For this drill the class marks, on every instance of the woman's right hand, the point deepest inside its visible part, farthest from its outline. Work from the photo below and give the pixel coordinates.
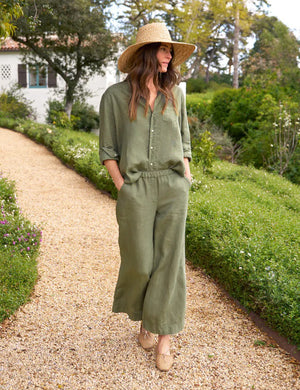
(120, 184)
(115, 173)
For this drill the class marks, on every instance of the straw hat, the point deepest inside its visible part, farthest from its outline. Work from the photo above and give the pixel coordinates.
(150, 33)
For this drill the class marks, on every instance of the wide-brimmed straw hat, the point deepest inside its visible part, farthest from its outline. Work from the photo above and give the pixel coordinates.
(150, 33)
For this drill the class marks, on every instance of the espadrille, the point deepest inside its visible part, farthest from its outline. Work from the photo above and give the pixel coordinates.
(146, 339)
(164, 362)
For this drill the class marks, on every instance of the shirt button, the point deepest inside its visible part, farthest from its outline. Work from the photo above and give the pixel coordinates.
(151, 147)
(152, 131)
(151, 163)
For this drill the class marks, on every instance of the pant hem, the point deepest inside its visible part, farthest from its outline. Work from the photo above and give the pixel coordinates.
(133, 316)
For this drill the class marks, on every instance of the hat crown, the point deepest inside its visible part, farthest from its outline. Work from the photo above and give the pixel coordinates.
(153, 32)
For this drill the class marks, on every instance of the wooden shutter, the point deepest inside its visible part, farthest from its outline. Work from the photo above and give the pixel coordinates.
(51, 78)
(22, 77)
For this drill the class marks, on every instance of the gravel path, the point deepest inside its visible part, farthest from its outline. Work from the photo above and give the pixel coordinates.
(66, 337)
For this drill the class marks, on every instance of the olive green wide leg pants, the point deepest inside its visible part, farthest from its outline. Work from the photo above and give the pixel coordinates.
(151, 286)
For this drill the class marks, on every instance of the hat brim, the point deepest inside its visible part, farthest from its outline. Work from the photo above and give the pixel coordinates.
(182, 51)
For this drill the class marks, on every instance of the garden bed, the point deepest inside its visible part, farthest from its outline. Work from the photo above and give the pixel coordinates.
(19, 244)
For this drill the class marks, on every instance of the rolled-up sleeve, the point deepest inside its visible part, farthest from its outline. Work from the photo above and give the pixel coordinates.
(185, 133)
(108, 145)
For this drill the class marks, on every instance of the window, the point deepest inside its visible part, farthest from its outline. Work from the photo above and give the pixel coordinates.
(37, 76)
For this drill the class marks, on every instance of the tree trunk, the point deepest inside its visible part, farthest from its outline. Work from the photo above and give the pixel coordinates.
(236, 39)
(209, 61)
(68, 108)
(69, 98)
(193, 70)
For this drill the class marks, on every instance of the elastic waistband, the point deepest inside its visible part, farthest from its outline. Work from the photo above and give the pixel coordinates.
(162, 172)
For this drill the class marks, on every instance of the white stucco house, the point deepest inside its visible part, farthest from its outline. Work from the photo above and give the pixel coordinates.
(39, 84)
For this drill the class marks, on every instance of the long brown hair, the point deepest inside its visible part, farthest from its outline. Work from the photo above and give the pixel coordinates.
(144, 66)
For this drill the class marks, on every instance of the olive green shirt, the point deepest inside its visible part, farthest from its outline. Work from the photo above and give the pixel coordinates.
(153, 142)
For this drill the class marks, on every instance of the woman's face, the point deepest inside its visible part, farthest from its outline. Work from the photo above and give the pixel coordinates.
(164, 56)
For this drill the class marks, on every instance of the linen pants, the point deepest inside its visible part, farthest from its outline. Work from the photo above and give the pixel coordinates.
(151, 286)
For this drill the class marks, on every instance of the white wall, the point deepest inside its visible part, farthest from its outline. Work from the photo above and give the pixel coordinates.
(39, 96)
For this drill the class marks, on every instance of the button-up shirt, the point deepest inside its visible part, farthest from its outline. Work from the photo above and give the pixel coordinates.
(153, 142)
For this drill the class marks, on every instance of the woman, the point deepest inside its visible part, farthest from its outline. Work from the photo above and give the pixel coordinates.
(145, 145)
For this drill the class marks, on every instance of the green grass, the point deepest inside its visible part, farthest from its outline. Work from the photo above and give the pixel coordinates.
(243, 226)
(19, 243)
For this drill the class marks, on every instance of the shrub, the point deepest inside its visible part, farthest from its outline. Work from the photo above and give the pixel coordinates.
(196, 85)
(7, 121)
(14, 105)
(19, 243)
(203, 148)
(83, 116)
(216, 82)
(198, 111)
(236, 111)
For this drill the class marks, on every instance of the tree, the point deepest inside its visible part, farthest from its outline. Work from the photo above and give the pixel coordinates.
(9, 9)
(70, 36)
(137, 13)
(274, 57)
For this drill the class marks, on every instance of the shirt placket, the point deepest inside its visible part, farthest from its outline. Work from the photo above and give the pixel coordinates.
(152, 152)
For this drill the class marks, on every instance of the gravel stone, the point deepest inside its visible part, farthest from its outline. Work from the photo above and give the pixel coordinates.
(66, 337)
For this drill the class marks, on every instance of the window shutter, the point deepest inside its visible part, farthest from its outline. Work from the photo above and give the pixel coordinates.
(51, 78)
(22, 79)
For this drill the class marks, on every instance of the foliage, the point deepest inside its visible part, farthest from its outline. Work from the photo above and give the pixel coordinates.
(19, 243)
(286, 136)
(9, 9)
(273, 59)
(203, 151)
(242, 226)
(236, 111)
(198, 107)
(199, 85)
(74, 30)
(83, 116)
(258, 128)
(14, 104)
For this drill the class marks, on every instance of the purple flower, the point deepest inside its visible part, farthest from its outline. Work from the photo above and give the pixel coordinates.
(28, 248)
(14, 242)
